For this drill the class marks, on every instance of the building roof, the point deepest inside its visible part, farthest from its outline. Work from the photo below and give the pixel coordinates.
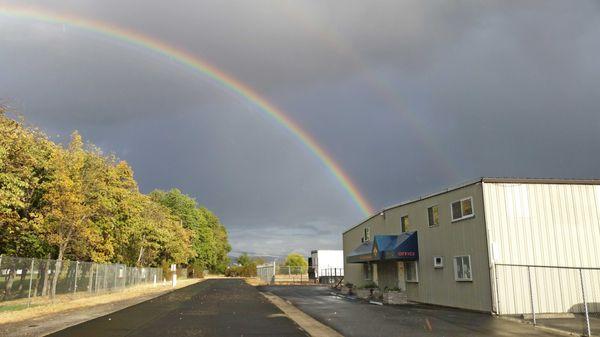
(496, 180)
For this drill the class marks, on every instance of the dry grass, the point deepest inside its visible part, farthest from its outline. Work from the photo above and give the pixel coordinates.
(43, 308)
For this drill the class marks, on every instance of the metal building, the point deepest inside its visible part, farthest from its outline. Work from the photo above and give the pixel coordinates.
(502, 245)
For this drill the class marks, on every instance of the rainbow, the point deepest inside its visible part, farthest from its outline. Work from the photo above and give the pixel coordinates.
(203, 67)
(383, 88)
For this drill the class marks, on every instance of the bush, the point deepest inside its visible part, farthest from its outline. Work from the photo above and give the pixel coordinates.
(241, 271)
(370, 285)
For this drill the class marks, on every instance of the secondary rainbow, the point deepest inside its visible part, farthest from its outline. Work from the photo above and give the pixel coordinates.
(196, 63)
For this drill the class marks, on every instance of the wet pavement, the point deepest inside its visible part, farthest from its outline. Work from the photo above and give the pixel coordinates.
(355, 318)
(576, 325)
(217, 307)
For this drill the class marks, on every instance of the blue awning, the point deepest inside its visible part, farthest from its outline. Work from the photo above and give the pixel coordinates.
(386, 247)
(405, 247)
(362, 253)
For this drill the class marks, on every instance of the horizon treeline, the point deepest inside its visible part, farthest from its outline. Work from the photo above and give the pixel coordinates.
(74, 202)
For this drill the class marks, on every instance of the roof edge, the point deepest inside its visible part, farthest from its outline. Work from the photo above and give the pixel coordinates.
(491, 180)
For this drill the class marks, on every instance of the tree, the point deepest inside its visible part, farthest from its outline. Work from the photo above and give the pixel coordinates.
(209, 237)
(244, 260)
(68, 216)
(76, 202)
(297, 263)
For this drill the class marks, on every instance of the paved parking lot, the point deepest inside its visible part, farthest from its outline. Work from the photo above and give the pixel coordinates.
(357, 318)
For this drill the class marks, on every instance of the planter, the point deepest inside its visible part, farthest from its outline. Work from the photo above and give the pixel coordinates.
(395, 297)
(362, 293)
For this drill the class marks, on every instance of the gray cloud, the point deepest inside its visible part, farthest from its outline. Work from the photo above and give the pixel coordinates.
(409, 97)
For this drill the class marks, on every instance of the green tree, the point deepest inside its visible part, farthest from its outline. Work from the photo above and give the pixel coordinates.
(209, 237)
(244, 260)
(297, 263)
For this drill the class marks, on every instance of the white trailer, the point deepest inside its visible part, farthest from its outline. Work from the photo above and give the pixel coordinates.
(328, 262)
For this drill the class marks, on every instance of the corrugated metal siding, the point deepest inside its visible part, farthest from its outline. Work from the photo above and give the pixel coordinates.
(544, 224)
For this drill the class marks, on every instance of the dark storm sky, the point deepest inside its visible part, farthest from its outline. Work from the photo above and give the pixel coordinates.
(408, 96)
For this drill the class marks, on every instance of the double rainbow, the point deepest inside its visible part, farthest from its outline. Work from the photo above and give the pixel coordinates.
(197, 64)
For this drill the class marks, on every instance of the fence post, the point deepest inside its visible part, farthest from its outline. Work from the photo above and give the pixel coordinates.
(97, 272)
(531, 295)
(30, 281)
(76, 271)
(116, 271)
(585, 307)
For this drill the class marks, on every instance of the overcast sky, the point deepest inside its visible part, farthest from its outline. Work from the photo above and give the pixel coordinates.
(409, 97)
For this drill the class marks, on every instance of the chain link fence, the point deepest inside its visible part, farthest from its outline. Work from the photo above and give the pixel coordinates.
(27, 280)
(567, 298)
(274, 274)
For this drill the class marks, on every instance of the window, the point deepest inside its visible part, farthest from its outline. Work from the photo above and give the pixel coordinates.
(462, 268)
(462, 209)
(367, 236)
(411, 270)
(368, 271)
(438, 262)
(434, 216)
(405, 223)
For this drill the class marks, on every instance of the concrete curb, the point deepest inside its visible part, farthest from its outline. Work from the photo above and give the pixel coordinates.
(309, 324)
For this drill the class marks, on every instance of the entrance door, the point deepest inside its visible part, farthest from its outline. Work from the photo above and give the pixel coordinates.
(401, 277)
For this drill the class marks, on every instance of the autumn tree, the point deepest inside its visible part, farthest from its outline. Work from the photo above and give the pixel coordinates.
(76, 202)
(24, 154)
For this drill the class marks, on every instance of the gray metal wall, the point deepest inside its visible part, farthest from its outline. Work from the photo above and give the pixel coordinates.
(544, 224)
(449, 239)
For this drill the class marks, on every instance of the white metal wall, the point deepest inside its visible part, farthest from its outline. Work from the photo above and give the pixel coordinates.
(544, 224)
(328, 259)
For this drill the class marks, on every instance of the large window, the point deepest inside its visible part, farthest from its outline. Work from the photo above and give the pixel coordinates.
(367, 236)
(462, 268)
(411, 270)
(433, 214)
(405, 224)
(462, 209)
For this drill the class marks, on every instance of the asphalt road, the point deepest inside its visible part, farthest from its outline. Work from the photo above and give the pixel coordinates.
(217, 307)
(360, 319)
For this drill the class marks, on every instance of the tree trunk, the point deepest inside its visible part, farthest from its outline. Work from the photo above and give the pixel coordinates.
(9, 281)
(41, 271)
(46, 275)
(22, 278)
(58, 265)
(139, 259)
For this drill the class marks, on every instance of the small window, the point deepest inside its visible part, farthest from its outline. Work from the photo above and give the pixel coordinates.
(411, 270)
(367, 236)
(462, 209)
(368, 271)
(462, 268)
(434, 216)
(438, 262)
(405, 223)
